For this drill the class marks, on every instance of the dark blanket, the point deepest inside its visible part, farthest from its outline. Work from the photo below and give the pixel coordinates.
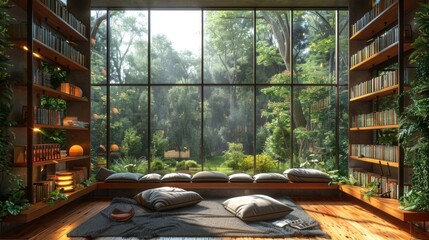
(206, 219)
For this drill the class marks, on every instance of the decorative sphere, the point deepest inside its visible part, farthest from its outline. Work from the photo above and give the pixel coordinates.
(114, 148)
(76, 151)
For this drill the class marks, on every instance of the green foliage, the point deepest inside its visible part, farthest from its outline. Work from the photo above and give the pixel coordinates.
(414, 123)
(14, 199)
(373, 190)
(337, 178)
(131, 144)
(186, 165)
(130, 164)
(157, 165)
(234, 155)
(55, 195)
(58, 76)
(264, 163)
(159, 144)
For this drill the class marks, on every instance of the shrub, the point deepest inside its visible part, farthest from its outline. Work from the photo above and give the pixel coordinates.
(157, 165)
(234, 155)
(264, 163)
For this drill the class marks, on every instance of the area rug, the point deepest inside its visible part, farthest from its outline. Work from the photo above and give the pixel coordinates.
(205, 219)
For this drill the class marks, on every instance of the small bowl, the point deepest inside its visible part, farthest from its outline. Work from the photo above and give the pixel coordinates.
(121, 216)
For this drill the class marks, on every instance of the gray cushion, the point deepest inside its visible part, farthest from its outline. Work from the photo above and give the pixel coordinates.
(165, 198)
(103, 173)
(269, 178)
(210, 176)
(123, 177)
(151, 177)
(176, 177)
(307, 175)
(240, 177)
(256, 208)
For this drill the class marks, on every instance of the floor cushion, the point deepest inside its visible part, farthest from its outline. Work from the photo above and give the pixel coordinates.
(151, 178)
(307, 175)
(103, 173)
(176, 177)
(240, 177)
(124, 177)
(165, 198)
(256, 207)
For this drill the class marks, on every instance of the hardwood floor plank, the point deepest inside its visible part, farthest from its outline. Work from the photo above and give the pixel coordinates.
(345, 219)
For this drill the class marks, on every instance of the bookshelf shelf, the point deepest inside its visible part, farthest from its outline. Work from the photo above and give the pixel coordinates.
(381, 93)
(380, 57)
(50, 18)
(41, 163)
(374, 128)
(57, 57)
(55, 93)
(389, 206)
(41, 208)
(376, 161)
(46, 126)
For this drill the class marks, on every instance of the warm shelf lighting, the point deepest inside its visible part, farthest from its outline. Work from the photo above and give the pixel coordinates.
(25, 48)
(37, 130)
(64, 180)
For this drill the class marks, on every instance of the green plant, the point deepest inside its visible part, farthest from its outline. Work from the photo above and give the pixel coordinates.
(234, 155)
(337, 178)
(55, 195)
(157, 165)
(264, 163)
(130, 164)
(414, 123)
(372, 190)
(58, 76)
(13, 198)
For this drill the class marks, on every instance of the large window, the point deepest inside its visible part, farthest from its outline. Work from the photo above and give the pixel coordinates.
(238, 90)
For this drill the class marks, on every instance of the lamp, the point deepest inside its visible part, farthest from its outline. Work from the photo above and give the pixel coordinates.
(64, 180)
(76, 151)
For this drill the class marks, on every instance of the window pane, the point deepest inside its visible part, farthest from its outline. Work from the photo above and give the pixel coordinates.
(228, 129)
(98, 47)
(343, 46)
(176, 46)
(314, 46)
(128, 129)
(176, 131)
(273, 46)
(344, 130)
(228, 47)
(273, 129)
(128, 47)
(98, 127)
(314, 132)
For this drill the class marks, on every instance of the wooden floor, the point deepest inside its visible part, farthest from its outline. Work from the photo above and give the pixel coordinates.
(340, 219)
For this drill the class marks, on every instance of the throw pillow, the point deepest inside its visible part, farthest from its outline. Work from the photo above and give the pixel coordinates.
(256, 208)
(151, 178)
(240, 177)
(176, 177)
(270, 178)
(103, 173)
(210, 176)
(307, 175)
(123, 177)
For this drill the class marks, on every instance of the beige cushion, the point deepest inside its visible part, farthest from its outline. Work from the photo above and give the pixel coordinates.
(240, 177)
(165, 198)
(210, 176)
(123, 177)
(269, 178)
(176, 177)
(256, 208)
(151, 178)
(307, 175)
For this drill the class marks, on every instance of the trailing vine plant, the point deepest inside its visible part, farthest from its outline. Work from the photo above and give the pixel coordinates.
(414, 133)
(14, 199)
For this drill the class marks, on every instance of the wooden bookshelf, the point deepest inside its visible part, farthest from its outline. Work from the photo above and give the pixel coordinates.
(387, 205)
(375, 161)
(380, 93)
(51, 19)
(41, 208)
(41, 163)
(384, 19)
(374, 128)
(380, 57)
(55, 93)
(45, 51)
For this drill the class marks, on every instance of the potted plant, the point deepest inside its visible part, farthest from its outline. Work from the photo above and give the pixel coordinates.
(414, 134)
(13, 199)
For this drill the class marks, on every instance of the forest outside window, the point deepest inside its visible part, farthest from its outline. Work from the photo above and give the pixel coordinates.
(241, 90)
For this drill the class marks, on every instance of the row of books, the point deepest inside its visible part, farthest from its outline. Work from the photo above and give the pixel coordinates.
(381, 152)
(387, 79)
(48, 116)
(60, 9)
(42, 78)
(385, 184)
(382, 118)
(377, 45)
(371, 15)
(41, 190)
(41, 152)
(56, 42)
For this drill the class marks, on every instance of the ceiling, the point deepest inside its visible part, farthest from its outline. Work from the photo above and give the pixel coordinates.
(218, 3)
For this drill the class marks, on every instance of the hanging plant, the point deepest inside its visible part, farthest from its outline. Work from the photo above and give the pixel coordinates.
(14, 199)
(414, 122)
